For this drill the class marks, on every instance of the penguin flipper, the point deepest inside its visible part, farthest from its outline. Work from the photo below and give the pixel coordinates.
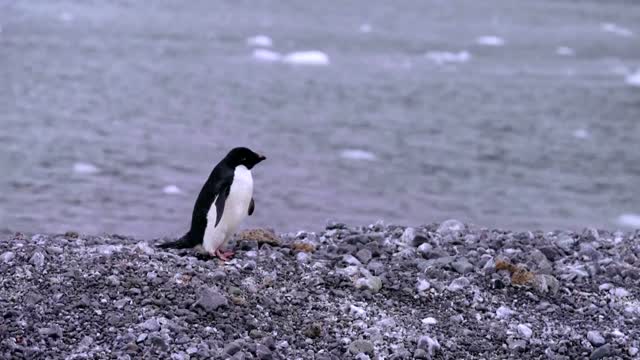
(186, 241)
(252, 207)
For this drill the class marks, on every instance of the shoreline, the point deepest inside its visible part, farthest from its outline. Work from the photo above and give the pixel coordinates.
(376, 292)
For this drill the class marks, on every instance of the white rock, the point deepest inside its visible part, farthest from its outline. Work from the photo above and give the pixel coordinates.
(302, 257)
(524, 331)
(620, 292)
(449, 226)
(633, 79)
(145, 248)
(423, 285)
(37, 259)
(633, 351)
(444, 57)
(458, 284)
(490, 40)
(171, 190)
(605, 286)
(504, 312)
(351, 260)
(357, 312)
(85, 168)
(8, 256)
(429, 321)
(595, 338)
(260, 40)
(408, 235)
(312, 57)
(616, 29)
(266, 55)
(565, 51)
(357, 154)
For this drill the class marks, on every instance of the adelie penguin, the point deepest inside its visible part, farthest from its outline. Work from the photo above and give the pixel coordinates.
(224, 201)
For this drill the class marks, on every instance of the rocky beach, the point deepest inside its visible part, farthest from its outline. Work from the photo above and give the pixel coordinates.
(441, 291)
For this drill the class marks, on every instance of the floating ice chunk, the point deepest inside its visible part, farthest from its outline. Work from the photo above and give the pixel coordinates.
(615, 29)
(633, 79)
(443, 57)
(356, 154)
(66, 16)
(171, 190)
(629, 220)
(565, 51)
(266, 55)
(581, 134)
(85, 168)
(365, 28)
(490, 40)
(312, 57)
(260, 40)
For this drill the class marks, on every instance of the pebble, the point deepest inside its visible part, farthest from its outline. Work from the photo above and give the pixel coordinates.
(37, 259)
(151, 325)
(620, 292)
(54, 331)
(504, 312)
(429, 321)
(364, 255)
(423, 285)
(462, 266)
(232, 348)
(595, 338)
(633, 351)
(263, 352)
(429, 344)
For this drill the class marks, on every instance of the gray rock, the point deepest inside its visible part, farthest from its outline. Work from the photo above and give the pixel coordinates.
(361, 346)
(524, 331)
(540, 262)
(420, 354)
(595, 338)
(179, 356)
(458, 284)
(633, 351)
(232, 348)
(7, 256)
(151, 325)
(141, 338)
(543, 284)
(504, 312)
(249, 265)
(376, 267)
(450, 226)
(462, 266)
(263, 352)
(601, 352)
(210, 299)
(429, 344)
(364, 255)
(218, 275)
(372, 283)
(516, 344)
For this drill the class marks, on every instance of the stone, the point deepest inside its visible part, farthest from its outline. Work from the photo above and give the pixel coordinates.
(540, 263)
(462, 266)
(423, 285)
(633, 351)
(429, 321)
(543, 284)
(210, 300)
(458, 284)
(524, 331)
(429, 344)
(361, 346)
(313, 331)
(601, 352)
(516, 344)
(151, 325)
(53, 331)
(595, 338)
(620, 292)
(450, 226)
(372, 283)
(420, 354)
(232, 348)
(364, 255)
(408, 235)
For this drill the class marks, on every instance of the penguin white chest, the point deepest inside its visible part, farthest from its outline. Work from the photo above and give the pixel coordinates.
(236, 208)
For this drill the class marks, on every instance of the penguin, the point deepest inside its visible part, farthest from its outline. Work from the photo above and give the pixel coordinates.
(225, 200)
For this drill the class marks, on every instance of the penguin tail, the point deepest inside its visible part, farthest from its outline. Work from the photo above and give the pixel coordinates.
(183, 243)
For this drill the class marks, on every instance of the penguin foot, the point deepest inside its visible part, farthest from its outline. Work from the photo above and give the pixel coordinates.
(224, 256)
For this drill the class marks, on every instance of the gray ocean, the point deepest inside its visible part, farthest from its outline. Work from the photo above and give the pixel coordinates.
(513, 114)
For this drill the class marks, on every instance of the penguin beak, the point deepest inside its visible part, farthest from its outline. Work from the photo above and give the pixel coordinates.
(261, 157)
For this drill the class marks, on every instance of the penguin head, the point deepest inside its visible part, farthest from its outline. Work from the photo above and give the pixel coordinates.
(243, 156)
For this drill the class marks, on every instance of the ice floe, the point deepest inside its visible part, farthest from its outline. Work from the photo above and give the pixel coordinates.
(616, 29)
(490, 40)
(85, 168)
(312, 57)
(565, 51)
(266, 55)
(260, 41)
(629, 220)
(633, 79)
(357, 154)
(444, 57)
(171, 190)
